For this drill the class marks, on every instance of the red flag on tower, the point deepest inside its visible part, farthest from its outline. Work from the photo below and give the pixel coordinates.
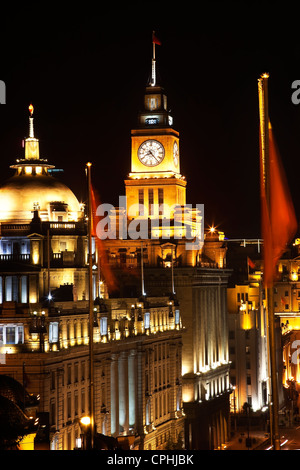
(250, 263)
(155, 40)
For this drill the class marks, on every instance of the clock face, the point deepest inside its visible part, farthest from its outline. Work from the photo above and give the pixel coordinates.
(175, 153)
(151, 153)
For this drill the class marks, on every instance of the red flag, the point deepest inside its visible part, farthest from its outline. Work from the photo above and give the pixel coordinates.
(155, 39)
(279, 222)
(250, 263)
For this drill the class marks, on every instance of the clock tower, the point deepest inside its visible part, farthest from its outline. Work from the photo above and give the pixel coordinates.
(154, 186)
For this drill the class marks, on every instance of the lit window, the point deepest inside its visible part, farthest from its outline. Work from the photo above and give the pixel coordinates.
(103, 326)
(28, 170)
(53, 332)
(11, 334)
(38, 170)
(147, 320)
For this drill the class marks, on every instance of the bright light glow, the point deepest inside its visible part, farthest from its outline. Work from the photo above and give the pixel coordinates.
(35, 258)
(294, 276)
(86, 420)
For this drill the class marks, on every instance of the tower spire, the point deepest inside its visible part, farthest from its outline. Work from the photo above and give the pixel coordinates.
(31, 131)
(31, 143)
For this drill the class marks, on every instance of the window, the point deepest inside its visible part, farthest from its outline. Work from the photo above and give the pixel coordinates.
(76, 372)
(53, 332)
(83, 370)
(141, 202)
(177, 317)
(52, 412)
(76, 403)
(152, 103)
(103, 326)
(11, 334)
(53, 380)
(82, 400)
(69, 374)
(69, 405)
(147, 320)
(161, 200)
(62, 246)
(150, 201)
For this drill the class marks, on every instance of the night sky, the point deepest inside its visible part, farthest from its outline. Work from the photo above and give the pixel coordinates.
(85, 69)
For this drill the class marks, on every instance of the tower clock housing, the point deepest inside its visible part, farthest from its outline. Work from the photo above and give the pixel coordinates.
(154, 183)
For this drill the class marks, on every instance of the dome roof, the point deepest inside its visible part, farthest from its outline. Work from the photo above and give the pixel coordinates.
(33, 187)
(20, 193)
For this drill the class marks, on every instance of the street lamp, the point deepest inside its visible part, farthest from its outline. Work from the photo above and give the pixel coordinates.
(85, 422)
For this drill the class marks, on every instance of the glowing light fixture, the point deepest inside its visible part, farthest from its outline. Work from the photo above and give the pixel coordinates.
(85, 420)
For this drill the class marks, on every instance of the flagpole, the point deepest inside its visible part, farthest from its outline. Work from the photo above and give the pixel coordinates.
(153, 62)
(91, 310)
(265, 168)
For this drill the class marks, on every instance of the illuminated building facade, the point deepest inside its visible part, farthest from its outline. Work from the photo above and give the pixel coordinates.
(159, 261)
(44, 323)
(248, 345)
(248, 331)
(287, 310)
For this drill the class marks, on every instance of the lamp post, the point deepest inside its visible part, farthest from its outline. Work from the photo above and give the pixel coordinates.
(85, 422)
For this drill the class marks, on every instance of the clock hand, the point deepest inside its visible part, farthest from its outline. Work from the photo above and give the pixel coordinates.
(154, 156)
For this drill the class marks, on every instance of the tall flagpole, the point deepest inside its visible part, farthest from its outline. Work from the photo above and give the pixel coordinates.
(91, 311)
(265, 168)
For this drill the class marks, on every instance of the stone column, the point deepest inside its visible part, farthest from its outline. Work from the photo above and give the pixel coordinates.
(123, 392)
(132, 388)
(114, 394)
